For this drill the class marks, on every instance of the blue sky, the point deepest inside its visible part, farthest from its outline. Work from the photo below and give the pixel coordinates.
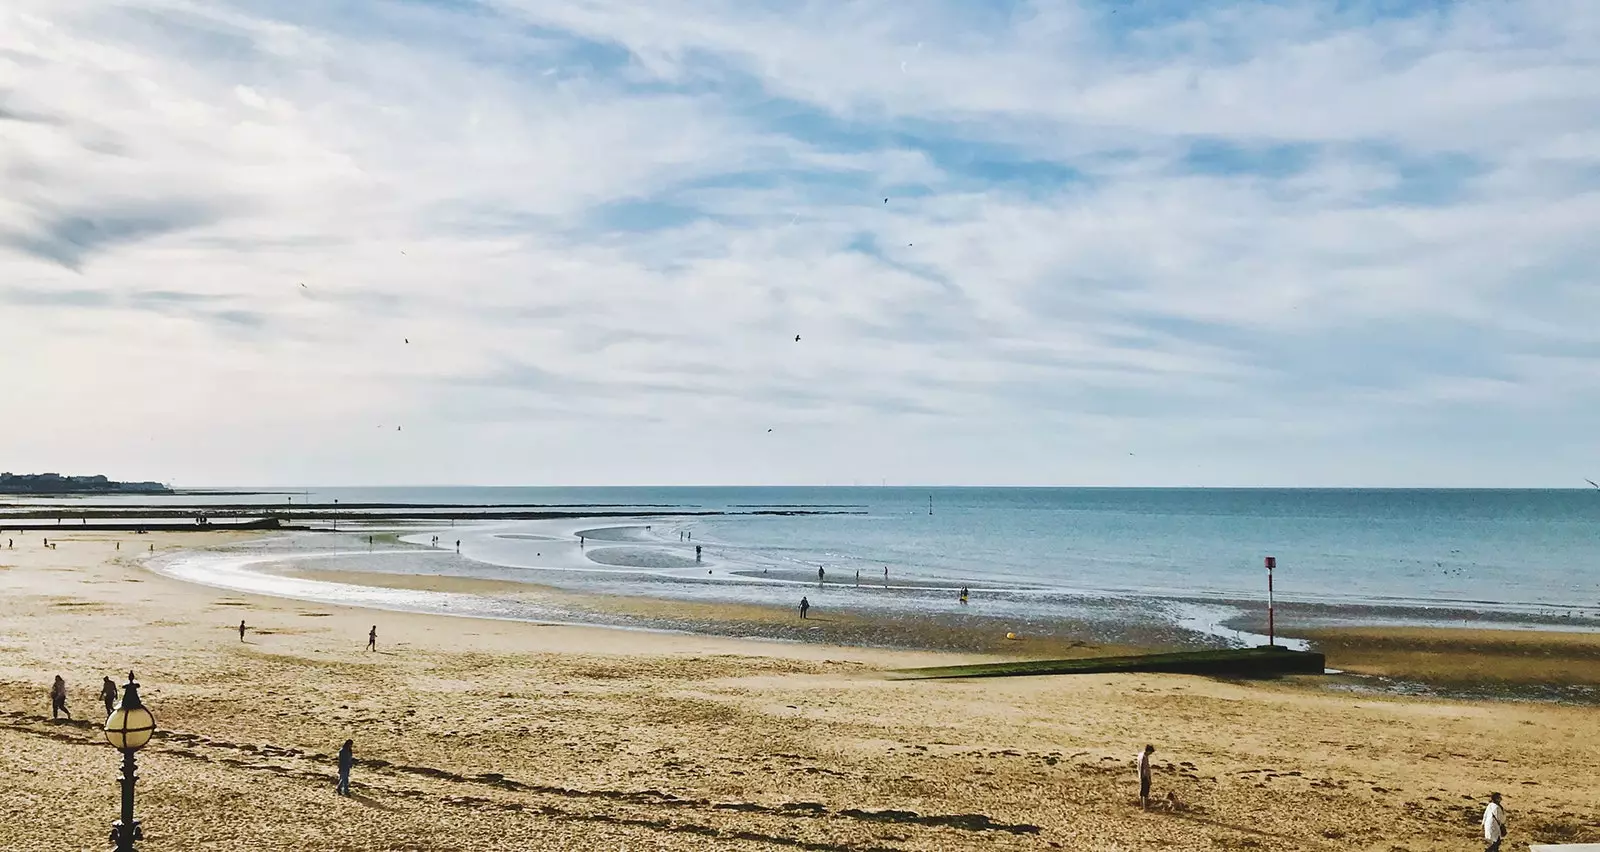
(1132, 243)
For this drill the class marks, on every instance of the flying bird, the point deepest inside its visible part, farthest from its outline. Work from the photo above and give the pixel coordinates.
(797, 340)
(769, 430)
(302, 283)
(1592, 482)
(886, 201)
(408, 340)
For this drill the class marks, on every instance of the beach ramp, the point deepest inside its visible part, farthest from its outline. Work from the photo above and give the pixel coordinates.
(1243, 662)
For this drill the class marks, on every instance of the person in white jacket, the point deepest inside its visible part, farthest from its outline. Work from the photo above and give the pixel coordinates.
(1494, 823)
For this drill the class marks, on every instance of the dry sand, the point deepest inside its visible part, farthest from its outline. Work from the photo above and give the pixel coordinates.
(479, 735)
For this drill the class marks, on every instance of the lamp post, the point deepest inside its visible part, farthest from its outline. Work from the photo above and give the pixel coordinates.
(128, 728)
(1272, 633)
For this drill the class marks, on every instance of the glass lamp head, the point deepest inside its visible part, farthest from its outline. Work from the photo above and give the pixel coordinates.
(130, 725)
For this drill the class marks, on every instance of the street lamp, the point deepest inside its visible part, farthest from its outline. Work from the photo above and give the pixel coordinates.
(128, 728)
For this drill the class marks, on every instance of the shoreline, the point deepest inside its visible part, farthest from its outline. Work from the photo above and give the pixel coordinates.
(1472, 662)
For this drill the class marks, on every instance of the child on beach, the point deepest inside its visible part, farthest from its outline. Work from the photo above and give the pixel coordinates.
(347, 760)
(1144, 776)
(58, 698)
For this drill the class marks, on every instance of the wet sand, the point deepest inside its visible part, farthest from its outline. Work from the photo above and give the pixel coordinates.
(1507, 661)
(487, 735)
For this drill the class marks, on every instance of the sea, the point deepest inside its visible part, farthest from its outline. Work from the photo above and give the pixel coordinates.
(1189, 558)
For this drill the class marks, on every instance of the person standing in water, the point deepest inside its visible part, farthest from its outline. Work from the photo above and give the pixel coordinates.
(347, 760)
(822, 575)
(805, 607)
(372, 638)
(108, 694)
(58, 698)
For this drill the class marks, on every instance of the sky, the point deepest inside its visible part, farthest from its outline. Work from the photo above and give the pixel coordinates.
(573, 242)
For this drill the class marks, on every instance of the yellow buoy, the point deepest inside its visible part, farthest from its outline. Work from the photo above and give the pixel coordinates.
(1011, 635)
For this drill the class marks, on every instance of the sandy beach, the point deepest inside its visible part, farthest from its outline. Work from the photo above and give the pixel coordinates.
(487, 735)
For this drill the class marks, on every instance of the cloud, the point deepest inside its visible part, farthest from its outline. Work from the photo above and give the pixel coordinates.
(72, 238)
(1262, 243)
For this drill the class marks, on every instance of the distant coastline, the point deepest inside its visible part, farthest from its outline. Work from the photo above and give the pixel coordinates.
(51, 484)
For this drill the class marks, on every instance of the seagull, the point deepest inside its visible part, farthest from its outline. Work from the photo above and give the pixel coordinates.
(302, 283)
(769, 430)
(408, 340)
(886, 201)
(1592, 482)
(797, 340)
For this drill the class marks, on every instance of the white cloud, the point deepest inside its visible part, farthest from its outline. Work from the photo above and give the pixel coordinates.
(601, 224)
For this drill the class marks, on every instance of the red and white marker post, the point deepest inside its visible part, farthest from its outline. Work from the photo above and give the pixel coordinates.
(1272, 641)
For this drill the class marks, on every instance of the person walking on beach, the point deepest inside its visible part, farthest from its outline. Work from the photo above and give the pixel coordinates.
(1494, 824)
(347, 760)
(372, 638)
(805, 607)
(697, 553)
(108, 694)
(1144, 776)
(58, 698)
(241, 630)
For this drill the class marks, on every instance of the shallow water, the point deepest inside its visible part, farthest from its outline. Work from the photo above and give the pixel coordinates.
(1190, 558)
